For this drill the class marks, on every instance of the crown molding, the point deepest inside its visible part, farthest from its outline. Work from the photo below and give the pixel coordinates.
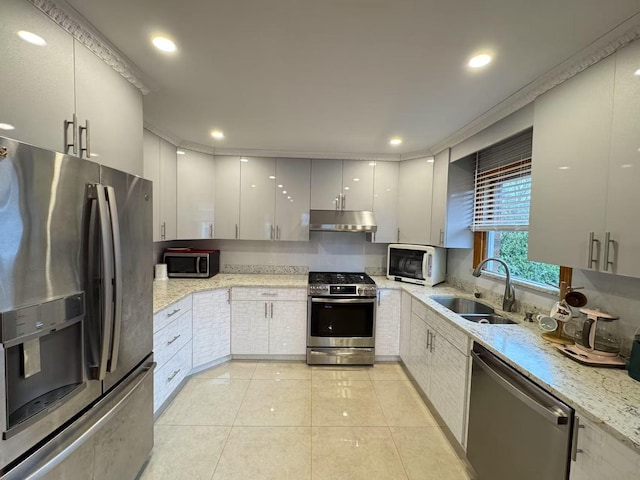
(372, 157)
(416, 154)
(196, 147)
(601, 48)
(172, 139)
(81, 29)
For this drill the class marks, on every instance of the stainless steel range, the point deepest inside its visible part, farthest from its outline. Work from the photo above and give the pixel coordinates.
(341, 319)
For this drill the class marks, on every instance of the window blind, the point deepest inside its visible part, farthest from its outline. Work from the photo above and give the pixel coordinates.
(503, 185)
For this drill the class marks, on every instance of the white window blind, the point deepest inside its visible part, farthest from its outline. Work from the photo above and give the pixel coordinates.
(503, 185)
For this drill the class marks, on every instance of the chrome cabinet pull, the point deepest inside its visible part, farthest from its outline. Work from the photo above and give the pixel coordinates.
(277, 232)
(378, 297)
(433, 342)
(265, 309)
(337, 202)
(398, 236)
(428, 339)
(173, 313)
(211, 230)
(574, 440)
(163, 230)
(607, 242)
(273, 232)
(74, 143)
(271, 309)
(87, 136)
(173, 375)
(593, 240)
(344, 202)
(268, 294)
(236, 230)
(173, 339)
(442, 238)
(228, 295)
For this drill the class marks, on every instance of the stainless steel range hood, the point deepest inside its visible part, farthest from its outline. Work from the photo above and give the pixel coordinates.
(342, 221)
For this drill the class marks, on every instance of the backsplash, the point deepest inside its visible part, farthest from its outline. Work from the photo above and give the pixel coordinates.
(613, 293)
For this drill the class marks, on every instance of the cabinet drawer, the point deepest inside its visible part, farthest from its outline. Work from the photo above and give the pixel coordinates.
(268, 294)
(168, 377)
(172, 338)
(456, 337)
(166, 316)
(418, 308)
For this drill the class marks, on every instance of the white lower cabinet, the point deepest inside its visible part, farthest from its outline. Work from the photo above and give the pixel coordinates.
(211, 326)
(598, 455)
(172, 349)
(388, 322)
(405, 326)
(268, 321)
(437, 356)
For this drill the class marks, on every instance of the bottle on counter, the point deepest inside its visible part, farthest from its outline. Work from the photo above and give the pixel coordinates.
(633, 366)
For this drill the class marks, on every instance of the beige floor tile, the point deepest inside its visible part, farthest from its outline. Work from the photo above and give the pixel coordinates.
(264, 453)
(206, 402)
(185, 452)
(355, 453)
(427, 455)
(339, 373)
(276, 403)
(233, 369)
(401, 404)
(342, 403)
(387, 371)
(282, 370)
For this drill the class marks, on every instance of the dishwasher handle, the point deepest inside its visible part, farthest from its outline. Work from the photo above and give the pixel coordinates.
(556, 416)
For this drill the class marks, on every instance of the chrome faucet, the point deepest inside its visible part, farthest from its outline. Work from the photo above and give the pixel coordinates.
(509, 293)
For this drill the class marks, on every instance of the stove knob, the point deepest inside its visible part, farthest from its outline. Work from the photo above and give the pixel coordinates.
(360, 291)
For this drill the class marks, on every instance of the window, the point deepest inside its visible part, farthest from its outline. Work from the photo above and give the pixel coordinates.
(501, 210)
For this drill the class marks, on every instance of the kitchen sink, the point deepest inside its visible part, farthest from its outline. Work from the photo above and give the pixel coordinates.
(491, 318)
(464, 305)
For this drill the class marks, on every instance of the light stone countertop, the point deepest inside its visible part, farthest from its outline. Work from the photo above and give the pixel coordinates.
(607, 397)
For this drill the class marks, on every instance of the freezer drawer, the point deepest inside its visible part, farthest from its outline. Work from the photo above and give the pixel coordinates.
(112, 440)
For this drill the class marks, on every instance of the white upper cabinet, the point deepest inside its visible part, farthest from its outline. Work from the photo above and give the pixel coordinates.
(196, 195)
(623, 193)
(160, 167)
(414, 201)
(571, 135)
(293, 176)
(109, 114)
(227, 192)
(341, 184)
(451, 210)
(31, 75)
(257, 198)
(385, 201)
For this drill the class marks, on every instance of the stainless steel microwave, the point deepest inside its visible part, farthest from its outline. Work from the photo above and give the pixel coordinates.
(420, 264)
(191, 263)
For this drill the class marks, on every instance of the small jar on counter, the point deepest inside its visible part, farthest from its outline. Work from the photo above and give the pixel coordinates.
(633, 367)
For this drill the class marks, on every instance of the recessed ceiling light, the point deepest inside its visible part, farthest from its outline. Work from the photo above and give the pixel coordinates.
(279, 186)
(245, 160)
(372, 164)
(480, 61)
(32, 38)
(430, 160)
(164, 44)
(253, 186)
(288, 198)
(356, 179)
(626, 165)
(272, 177)
(6, 126)
(637, 73)
(395, 141)
(284, 192)
(217, 134)
(563, 168)
(181, 152)
(346, 188)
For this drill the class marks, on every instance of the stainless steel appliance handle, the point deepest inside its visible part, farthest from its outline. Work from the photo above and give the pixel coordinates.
(556, 417)
(27, 471)
(343, 300)
(106, 278)
(74, 143)
(117, 263)
(607, 242)
(337, 352)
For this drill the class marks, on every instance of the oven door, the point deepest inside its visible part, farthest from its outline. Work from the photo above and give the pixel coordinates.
(341, 322)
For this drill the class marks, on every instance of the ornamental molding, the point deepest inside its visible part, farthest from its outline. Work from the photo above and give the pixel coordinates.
(85, 33)
(372, 157)
(592, 54)
(172, 139)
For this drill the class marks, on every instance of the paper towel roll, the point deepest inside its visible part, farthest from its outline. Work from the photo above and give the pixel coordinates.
(161, 271)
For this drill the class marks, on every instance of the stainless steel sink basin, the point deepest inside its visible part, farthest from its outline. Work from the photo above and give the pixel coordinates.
(491, 318)
(463, 305)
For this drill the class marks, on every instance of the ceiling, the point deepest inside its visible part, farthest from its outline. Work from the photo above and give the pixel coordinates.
(338, 76)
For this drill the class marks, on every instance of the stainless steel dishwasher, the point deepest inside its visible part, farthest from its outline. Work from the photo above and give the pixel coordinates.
(517, 430)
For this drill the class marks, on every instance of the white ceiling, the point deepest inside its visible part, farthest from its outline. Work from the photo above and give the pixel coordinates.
(333, 76)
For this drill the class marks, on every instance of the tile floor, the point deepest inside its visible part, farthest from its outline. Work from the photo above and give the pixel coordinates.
(286, 420)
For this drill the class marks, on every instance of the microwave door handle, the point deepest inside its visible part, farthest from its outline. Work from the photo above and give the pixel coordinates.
(425, 258)
(106, 278)
(117, 263)
(197, 259)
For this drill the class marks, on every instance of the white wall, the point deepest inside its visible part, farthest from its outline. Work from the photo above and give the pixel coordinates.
(613, 293)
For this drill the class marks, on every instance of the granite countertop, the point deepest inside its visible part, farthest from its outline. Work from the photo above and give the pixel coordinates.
(607, 397)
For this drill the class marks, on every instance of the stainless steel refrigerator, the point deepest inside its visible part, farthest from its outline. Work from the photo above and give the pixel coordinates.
(76, 396)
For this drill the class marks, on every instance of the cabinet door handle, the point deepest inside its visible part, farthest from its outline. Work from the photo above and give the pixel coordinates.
(398, 236)
(378, 297)
(228, 295)
(428, 339)
(433, 342)
(74, 142)
(607, 243)
(337, 202)
(173, 375)
(592, 241)
(173, 339)
(574, 441)
(442, 238)
(273, 232)
(271, 309)
(344, 201)
(236, 230)
(211, 230)
(269, 294)
(265, 309)
(173, 313)
(163, 230)
(87, 136)
(277, 232)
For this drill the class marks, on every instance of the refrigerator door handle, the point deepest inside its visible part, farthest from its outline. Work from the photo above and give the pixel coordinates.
(117, 264)
(53, 456)
(106, 278)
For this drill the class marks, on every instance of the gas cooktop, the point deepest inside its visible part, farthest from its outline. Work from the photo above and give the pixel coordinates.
(341, 284)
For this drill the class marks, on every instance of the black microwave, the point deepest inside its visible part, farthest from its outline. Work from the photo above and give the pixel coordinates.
(191, 263)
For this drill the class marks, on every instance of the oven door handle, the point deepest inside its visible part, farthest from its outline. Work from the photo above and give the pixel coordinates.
(344, 300)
